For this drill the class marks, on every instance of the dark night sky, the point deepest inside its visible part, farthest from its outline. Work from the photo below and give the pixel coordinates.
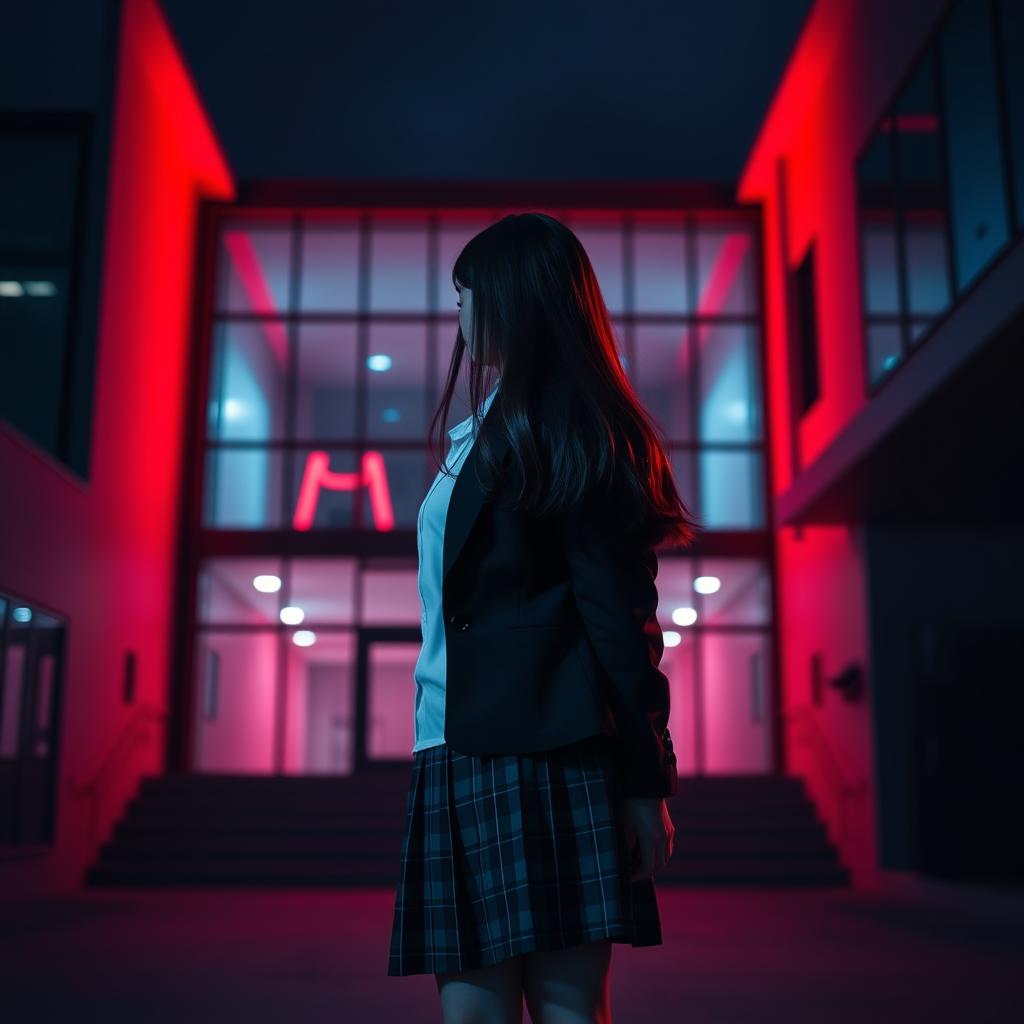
(568, 91)
(554, 91)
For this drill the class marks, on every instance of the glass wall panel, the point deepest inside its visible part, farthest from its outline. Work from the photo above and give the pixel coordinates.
(923, 191)
(883, 349)
(327, 484)
(243, 489)
(403, 472)
(396, 398)
(248, 381)
(304, 436)
(324, 589)
(881, 280)
(927, 267)
(46, 361)
(1011, 35)
(731, 493)
(730, 394)
(936, 180)
(726, 280)
(254, 263)
(390, 596)
(326, 388)
(330, 267)
(664, 376)
(660, 269)
(977, 181)
(240, 591)
(734, 592)
(34, 329)
(684, 472)
(398, 266)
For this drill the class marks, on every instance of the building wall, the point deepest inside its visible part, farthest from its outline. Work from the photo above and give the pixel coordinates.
(845, 69)
(102, 552)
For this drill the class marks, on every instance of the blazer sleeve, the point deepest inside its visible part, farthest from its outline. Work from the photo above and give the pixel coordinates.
(614, 589)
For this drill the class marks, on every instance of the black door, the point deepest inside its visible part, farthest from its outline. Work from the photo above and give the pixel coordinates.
(31, 674)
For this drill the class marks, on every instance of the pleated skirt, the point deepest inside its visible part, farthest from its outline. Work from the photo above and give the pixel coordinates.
(511, 854)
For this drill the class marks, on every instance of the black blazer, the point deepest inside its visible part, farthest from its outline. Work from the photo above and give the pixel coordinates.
(550, 630)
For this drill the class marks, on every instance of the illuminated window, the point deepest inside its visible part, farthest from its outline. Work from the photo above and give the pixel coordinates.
(330, 339)
(933, 190)
(46, 297)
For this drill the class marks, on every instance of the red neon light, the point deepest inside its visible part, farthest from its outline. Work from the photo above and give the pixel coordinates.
(318, 476)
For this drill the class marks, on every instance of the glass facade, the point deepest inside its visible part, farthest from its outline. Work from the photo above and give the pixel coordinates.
(329, 340)
(940, 178)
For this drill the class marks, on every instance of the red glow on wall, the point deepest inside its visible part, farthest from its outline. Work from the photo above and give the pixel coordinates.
(318, 477)
(103, 553)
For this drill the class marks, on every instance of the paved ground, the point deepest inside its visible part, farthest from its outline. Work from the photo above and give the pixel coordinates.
(195, 956)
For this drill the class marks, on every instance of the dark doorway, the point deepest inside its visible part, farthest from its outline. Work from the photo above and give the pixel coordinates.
(31, 676)
(969, 751)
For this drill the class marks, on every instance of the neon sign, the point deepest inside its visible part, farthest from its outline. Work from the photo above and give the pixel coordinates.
(318, 477)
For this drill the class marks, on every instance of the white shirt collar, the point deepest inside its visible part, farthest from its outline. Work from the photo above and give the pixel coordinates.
(463, 427)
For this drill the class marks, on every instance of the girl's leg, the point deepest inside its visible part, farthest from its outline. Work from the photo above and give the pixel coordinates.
(487, 995)
(569, 986)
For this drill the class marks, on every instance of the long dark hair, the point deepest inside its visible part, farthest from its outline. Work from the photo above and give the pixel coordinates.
(573, 422)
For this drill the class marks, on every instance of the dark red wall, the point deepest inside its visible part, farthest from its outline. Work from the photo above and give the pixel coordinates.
(102, 552)
(845, 69)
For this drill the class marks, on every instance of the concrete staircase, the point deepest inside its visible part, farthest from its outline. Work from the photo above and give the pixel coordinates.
(268, 831)
(749, 830)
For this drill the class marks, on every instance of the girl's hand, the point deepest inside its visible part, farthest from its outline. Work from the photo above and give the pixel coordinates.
(650, 835)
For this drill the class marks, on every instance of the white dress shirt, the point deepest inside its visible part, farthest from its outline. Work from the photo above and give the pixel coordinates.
(429, 674)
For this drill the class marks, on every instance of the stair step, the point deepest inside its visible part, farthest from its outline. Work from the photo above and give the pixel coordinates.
(722, 872)
(228, 823)
(235, 874)
(160, 830)
(335, 831)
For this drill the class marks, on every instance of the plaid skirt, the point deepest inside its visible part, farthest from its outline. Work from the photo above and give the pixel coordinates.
(513, 853)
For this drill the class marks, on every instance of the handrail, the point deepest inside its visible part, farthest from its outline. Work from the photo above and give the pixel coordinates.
(816, 741)
(134, 735)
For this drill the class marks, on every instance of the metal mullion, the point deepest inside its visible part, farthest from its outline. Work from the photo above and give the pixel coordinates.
(628, 240)
(901, 228)
(287, 464)
(940, 114)
(285, 470)
(366, 225)
(690, 226)
(1003, 117)
(690, 251)
(432, 335)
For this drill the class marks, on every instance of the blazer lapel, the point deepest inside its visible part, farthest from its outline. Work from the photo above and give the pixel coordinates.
(467, 497)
